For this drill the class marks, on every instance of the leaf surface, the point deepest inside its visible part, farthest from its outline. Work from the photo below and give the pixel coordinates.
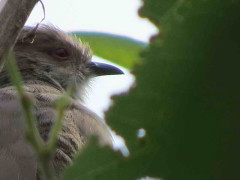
(186, 98)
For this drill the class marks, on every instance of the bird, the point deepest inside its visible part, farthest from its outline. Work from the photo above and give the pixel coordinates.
(49, 61)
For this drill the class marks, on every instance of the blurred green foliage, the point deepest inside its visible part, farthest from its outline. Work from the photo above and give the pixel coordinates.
(187, 99)
(118, 49)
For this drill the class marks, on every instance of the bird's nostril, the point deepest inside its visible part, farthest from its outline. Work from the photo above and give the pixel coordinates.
(92, 65)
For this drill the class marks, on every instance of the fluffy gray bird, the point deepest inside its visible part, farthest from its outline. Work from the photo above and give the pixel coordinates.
(49, 62)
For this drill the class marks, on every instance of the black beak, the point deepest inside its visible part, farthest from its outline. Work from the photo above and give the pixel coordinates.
(101, 69)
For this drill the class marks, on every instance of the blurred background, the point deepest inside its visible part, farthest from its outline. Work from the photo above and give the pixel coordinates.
(109, 16)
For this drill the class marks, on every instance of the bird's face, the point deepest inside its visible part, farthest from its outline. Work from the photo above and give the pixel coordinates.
(57, 58)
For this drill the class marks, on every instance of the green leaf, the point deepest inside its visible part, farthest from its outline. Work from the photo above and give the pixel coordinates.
(118, 49)
(13, 71)
(96, 161)
(186, 98)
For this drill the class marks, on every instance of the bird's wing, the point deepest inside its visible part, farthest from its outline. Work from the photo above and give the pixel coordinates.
(88, 123)
(17, 160)
(78, 120)
(78, 124)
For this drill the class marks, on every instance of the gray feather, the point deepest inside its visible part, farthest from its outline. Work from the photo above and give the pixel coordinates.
(46, 76)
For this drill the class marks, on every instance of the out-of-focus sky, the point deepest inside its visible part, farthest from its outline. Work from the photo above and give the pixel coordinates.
(111, 16)
(114, 16)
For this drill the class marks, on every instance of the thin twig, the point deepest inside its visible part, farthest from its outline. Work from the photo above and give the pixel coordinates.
(31, 36)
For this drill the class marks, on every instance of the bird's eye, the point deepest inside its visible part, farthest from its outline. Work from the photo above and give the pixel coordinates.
(60, 53)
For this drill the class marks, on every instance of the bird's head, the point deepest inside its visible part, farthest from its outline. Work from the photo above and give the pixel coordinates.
(57, 58)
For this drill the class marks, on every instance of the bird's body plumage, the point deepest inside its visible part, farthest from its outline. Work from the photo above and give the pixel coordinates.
(48, 63)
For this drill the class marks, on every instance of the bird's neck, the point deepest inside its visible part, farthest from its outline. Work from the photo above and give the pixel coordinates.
(38, 84)
(41, 89)
(41, 84)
